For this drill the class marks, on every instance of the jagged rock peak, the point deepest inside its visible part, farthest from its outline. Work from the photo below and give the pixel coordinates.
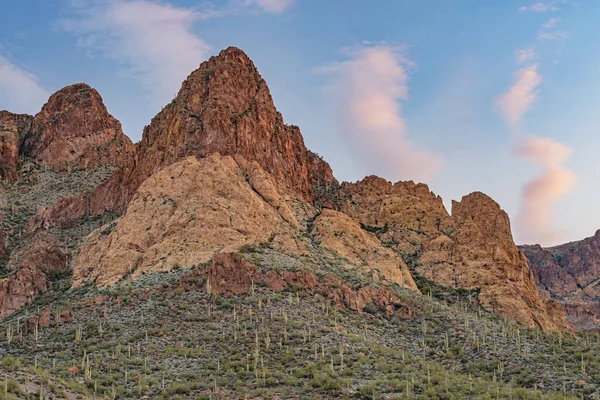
(13, 128)
(381, 186)
(485, 212)
(75, 130)
(222, 107)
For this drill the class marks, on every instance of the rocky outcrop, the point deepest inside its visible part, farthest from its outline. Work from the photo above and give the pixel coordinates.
(75, 130)
(472, 248)
(182, 216)
(223, 107)
(343, 235)
(2, 245)
(33, 266)
(230, 274)
(570, 273)
(63, 214)
(550, 277)
(13, 128)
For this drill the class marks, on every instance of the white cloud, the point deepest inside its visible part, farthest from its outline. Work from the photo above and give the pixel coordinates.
(525, 55)
(521, 96)
(537, 211)
(547, 31)
(544, 6)
(20, 91)
(154, 42)
(552, 35)
(271, 6)
(551, 23)
(368, 89)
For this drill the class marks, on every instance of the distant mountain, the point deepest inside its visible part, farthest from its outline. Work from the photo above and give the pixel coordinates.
(570, 273)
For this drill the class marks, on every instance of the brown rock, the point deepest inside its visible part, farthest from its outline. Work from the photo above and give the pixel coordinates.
(13, 128)
(223, 107)
(182, 216)
(64, 214)
(569, 273)
(74, 130)
(343, 235)
(229, 273)
(32, 266)
(42, 320)
(21, 289)
(2, 245)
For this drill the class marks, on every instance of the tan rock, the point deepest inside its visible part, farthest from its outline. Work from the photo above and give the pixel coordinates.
(472, 248)
(182, 216)
(343, 235)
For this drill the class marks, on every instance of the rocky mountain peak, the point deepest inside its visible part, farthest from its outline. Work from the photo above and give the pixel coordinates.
(75, 130)
(483, 211)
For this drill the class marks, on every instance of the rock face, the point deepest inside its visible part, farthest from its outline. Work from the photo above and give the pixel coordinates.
(75, 130)
(230, 274)
(223, 107)
(472, 248)
(570, 273)
(13, 128)
(193, 209)
(40, 259)
(342, 234)
(181, 216)
(2, 245)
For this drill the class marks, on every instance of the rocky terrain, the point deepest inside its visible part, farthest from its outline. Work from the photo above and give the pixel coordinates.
(570, 273)
(220, 258)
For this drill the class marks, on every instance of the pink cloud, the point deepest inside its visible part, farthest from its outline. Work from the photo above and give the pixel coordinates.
(521, 96)
(535, 219)
(368, 90)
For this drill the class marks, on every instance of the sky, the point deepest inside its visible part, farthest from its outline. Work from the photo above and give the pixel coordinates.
(465, 95)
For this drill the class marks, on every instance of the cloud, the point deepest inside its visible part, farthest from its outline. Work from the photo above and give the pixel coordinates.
(154, 42)
(547, 31)
(525, 55)
(368, 89)
(544, 6)
(539, 7)
(537, 211)
(521, 96)
(551, 23)
(271, 6)
(20, 91)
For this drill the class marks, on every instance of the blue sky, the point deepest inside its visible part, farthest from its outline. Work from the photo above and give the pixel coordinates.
(500, 97)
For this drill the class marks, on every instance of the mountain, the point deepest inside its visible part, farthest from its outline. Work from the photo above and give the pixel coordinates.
(570, 274)
(219, 257)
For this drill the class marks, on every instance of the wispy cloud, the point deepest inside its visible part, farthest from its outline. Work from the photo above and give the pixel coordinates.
(544, 6)
(154, 42)
(271, 6)
(525, 55)
(547, 31)
(368, 89)
(535, 219)
(20, 91)
(520, 96)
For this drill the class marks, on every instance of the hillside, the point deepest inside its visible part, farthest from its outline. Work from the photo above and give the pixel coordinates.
(220, 258)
